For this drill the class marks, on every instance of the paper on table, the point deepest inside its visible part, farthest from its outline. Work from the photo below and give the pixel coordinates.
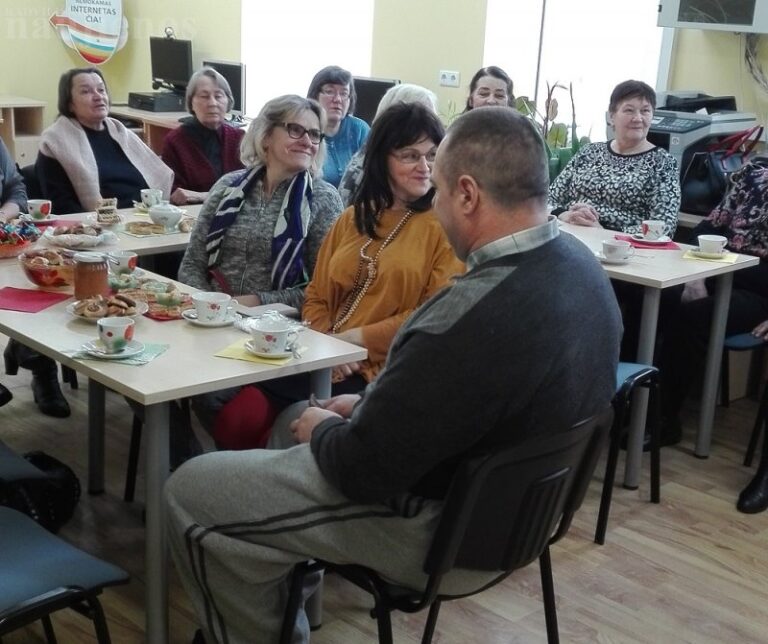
(727, 258)
(29, 300)
(237, 351)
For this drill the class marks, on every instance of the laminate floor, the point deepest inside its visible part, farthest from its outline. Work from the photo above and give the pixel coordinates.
(691, 569)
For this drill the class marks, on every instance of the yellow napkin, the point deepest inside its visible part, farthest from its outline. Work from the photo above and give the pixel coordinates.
(727, 258)
(238, 351)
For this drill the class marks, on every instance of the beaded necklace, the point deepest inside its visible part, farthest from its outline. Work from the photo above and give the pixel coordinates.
(361, 285)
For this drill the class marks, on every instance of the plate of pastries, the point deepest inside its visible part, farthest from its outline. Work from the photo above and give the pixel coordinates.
(79, 235)
(94, 308)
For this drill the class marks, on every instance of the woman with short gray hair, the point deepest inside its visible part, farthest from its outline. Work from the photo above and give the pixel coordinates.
(206, 146)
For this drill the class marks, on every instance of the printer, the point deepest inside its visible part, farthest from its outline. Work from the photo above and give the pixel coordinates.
(687, 122)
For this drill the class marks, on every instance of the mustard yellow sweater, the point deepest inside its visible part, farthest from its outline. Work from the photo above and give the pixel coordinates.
(417, 264)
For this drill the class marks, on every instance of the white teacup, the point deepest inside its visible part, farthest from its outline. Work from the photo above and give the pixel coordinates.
(617, 249)
(39, 208)
(712, 244)
(271, 335)
(123, 261)
(212, 307)
(652, 229)
(151, 196)
(115, 333)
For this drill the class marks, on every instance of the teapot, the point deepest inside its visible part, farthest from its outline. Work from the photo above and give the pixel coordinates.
(166, 215)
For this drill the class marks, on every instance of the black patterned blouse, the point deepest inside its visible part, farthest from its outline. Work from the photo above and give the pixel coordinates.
(625, 189)
(742, 215)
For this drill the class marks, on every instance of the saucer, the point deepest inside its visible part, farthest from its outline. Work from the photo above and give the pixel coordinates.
(661, 240)
(95, 348)
(605, 260)
(699, 253)
(275, 356)
(190, 315)
(45, 221)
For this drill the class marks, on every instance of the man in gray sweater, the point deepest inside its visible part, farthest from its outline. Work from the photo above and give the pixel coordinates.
(525, 343)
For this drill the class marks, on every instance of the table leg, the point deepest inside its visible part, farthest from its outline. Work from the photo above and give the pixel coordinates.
(157, 464)
(96, 433)
(714, 358)
(646, 343)
(320, 383)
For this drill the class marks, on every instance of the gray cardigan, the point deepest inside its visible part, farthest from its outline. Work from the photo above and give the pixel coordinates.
(246, 250)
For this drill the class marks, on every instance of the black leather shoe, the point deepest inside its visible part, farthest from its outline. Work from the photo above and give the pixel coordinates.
(199, 638)
(5, 395)
(754, 497)
(48, 396)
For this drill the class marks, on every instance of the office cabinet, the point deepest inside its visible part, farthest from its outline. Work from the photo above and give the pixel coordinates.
(21, 123)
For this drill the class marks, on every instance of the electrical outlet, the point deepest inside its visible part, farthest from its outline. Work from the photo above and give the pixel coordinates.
(449, 79)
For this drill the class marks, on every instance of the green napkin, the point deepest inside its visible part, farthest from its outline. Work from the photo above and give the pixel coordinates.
(151, 351)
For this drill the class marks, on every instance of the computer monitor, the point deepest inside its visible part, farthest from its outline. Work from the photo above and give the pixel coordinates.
(171, 61)
(235, 75)
(369, 92)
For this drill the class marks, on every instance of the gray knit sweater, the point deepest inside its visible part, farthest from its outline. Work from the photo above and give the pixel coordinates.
(524, 344)
(246, 250)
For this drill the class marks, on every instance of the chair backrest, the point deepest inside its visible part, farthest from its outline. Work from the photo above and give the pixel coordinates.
(503, 509)
(29, 174)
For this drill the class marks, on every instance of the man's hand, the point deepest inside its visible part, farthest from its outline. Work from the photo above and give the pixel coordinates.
(304, 425)
(249, 300)
(761, 330)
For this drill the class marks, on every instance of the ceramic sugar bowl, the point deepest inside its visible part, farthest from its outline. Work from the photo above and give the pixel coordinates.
(165, 214)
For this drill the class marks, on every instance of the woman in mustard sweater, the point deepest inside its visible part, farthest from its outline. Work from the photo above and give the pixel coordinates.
(387, 253)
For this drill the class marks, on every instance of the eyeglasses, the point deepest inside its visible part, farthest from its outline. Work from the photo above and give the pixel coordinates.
(332, 93)
(500, 96)
(296, 131)
(411, 156)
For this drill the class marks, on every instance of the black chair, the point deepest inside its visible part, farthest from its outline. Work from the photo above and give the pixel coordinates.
(40, 574)
(630, 375)
(528, 493)
(742, 342)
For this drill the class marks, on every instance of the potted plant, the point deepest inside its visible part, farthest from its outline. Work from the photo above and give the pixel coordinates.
(560, 140)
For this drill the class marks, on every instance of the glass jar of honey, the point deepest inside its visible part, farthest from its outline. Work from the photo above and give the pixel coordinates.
(91, 272)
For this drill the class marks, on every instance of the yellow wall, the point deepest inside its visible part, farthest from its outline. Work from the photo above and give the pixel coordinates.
(414, 39)
(33, 57)
(713, 61)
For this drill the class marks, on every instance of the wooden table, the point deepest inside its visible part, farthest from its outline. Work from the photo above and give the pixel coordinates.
(187, 368)
(655, 270)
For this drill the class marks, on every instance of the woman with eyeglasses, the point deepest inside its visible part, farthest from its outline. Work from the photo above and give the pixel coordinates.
(334, 89)
(260, 229)
(490, 86)
(385, 256)
(204, 147)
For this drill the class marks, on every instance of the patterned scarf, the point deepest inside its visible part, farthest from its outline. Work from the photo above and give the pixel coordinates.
(290, 229)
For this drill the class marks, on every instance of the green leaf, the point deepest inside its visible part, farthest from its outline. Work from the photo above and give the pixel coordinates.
(557, 137)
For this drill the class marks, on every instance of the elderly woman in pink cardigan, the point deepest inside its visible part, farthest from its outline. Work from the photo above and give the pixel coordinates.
(86, 155)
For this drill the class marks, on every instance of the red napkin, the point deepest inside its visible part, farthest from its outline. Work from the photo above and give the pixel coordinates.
(29, 300)
(670, 245)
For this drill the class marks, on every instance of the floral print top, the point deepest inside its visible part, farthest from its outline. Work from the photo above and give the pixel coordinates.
(742, 215)
(625, 189)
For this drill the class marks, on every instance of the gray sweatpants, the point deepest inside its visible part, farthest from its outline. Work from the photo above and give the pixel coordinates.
(239, 521)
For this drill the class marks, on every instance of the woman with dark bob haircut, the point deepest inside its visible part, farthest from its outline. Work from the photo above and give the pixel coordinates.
(490, 86)
(334, 89)
(384, 257)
